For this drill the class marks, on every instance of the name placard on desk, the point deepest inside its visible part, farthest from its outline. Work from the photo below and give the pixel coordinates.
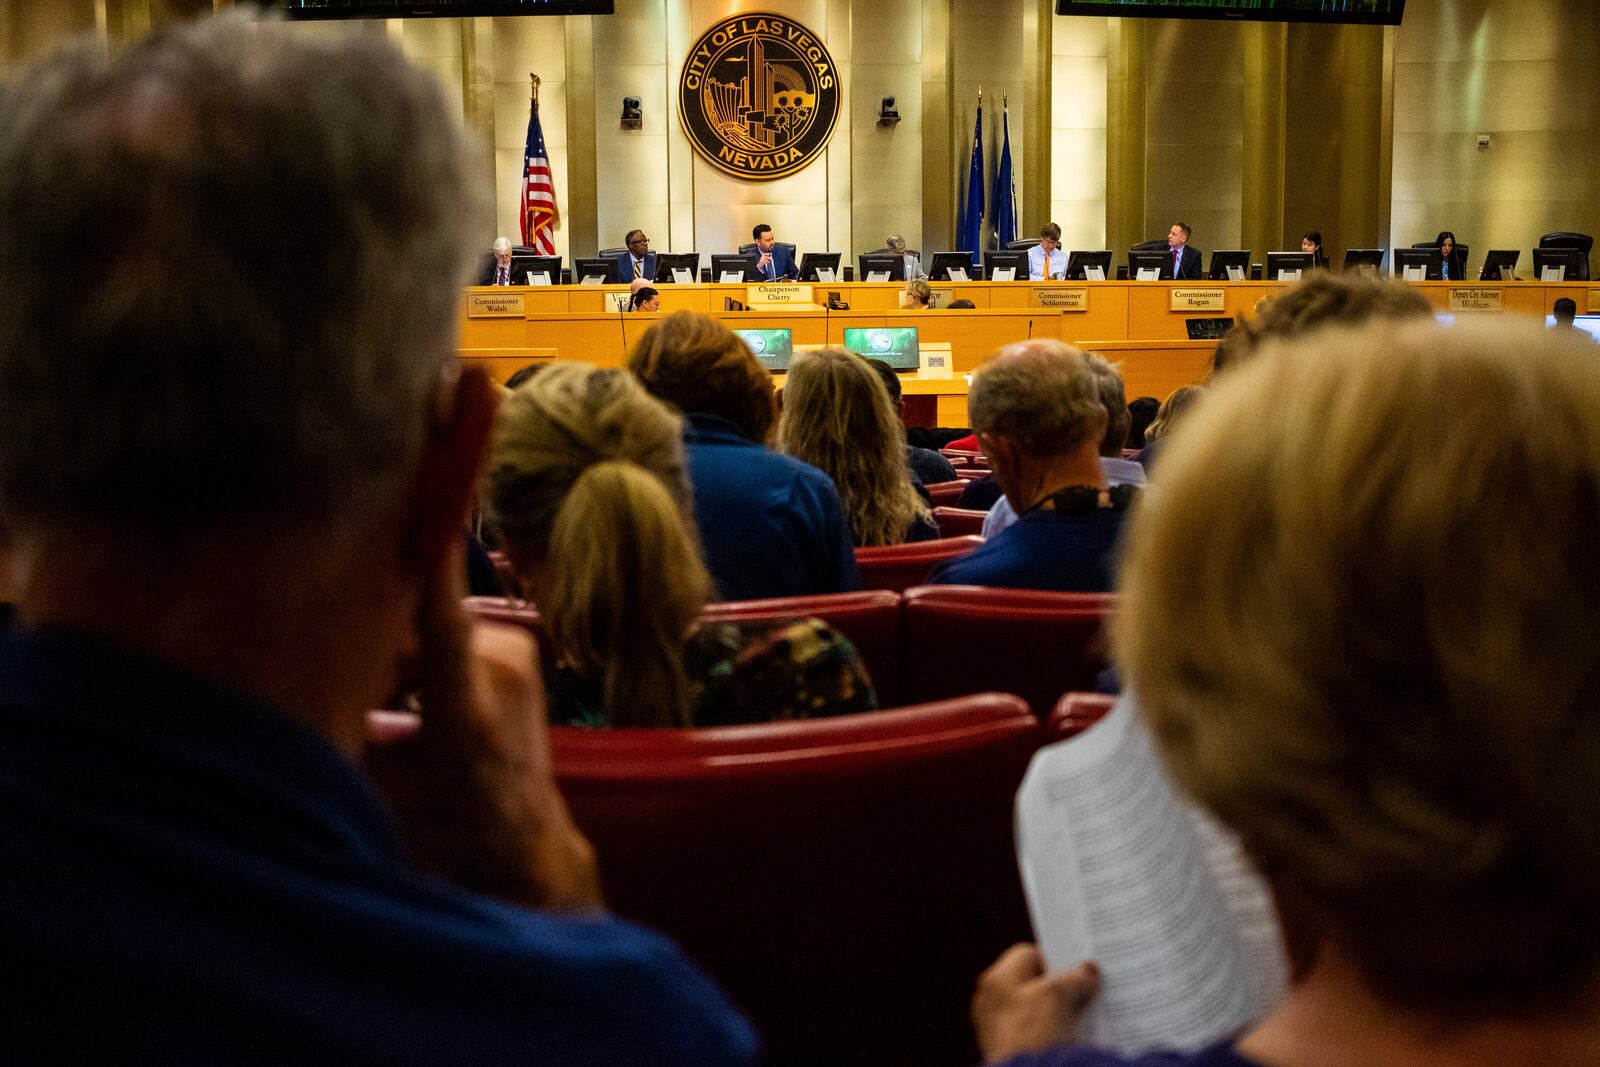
(779, 294)
(495, 306)
(1477, 300)
(1060, 298)
(1199, 299)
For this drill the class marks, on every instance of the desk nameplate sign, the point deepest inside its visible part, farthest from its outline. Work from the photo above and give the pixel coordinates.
(1059, 298)
(1199, 299)
(935, 361)
(500, 305)
(779, 293)
(1477, 300)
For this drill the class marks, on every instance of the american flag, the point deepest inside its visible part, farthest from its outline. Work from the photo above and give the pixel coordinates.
(538, 191)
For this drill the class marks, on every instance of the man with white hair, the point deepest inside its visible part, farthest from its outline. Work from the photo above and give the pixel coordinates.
(235, 498)
(497, 268)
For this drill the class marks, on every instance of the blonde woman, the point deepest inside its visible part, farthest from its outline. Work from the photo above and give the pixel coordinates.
(916, 296)
(1363, 636)
(837, 416)
(587, 487)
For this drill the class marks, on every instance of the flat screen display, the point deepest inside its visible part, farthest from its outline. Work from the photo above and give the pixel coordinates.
(895, 345)
(774, 348)
(395, 9)
(1375, 12)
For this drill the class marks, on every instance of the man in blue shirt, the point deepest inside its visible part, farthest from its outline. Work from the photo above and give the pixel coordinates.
(1037, 411)
(236, 469)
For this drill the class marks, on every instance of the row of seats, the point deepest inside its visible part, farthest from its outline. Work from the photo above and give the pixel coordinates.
(845, 879)
(936, 642)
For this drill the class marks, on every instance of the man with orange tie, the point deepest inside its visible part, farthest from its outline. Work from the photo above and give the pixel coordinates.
(638, 261)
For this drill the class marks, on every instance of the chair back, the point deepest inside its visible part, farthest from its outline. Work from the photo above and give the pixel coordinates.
(845, 879)
(1022, 245)
(1076, 712)
(962, 458)
(945, 494)
(611, 253)
(959, 522)
(1583, 242)
(1158, 245)
(870, 618)
(900, 567)
(971, 639)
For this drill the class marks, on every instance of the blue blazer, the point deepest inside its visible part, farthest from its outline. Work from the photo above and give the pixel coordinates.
(625, 267)
(783, 265)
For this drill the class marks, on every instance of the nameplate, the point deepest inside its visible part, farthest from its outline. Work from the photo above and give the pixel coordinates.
(1061, 299)
(1477, 300)
(502, 305)
(935, 361)
(1594, 301)
(779, 294)
(1199, 299)
(618, 301)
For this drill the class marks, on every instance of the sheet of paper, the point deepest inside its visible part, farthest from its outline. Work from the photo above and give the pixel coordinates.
(541, 278)
(593, 279)
(1148, 274)
(683, 277)
(732, 277)
(1003, 274)
(1094, 274)
(958, 274)
(1116, 871)
(826, 275)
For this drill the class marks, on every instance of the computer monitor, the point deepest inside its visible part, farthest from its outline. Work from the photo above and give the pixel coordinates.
(1496, 259)
(811, 262)
(728, 263)
(522, 266)
(1569, 259)
(1278, 262)
(1427, 258)
(1077, 261)
(667, 262)
(773, 348)
(879, 263)
(1358, 258)
(1223, 258)
(1138, 261)
(1017, 261)
(1207, 329)
(895, 345)
(1590, 324)
(605, 269)
(939, 269)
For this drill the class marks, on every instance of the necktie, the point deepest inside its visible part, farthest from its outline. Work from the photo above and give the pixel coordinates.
(1177, 259)
(638, 269)
(503, 277)
(772, 268)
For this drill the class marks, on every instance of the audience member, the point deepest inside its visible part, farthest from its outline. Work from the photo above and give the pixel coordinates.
(837, 416)
(927, 465)
(237, 495)
(587, 485)
(770, 525)
(1141, 412)
(522, 374)
(1117, 470)
(1173, 410)
(1037, 409)
(1363, 636)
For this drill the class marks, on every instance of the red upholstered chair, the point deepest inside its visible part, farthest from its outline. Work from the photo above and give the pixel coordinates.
(959, 522)
(509, 612)
(899, 567)
(972, 639)
(960, 457)
(870, 618)
(1076, 712)
(945, 494)
(845, 879)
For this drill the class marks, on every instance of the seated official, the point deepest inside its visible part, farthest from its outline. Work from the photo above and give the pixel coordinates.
(1342, 632)
(837, 416)
(1045, 259)
(770, 525)
(770, 260)
(916, 296)
(496, 270)
(928, 467)
(1453, 265)
(1183, 263)
(1037, 409)
(587, 485)
(645, 298)
(638, 262)
(897, 247)
(239, 513)
(1311, 244)
(1116, 470)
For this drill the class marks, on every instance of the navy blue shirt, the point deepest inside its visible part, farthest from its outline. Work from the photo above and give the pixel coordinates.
(1221, 1055)
(1044, 549)
(929, 466)
(770, 525)
(192, 877)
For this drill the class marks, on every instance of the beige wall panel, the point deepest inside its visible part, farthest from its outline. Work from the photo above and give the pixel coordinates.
(431, 38)
(1078, 91)
(681, 32)
(940, 139)
(1079, 35)
(635, 34)
(1079, 204)
(886, 161)
(521, 46)
(1195, 130)
(987, 46)
(34, 27)
(1445, 31)
(839, 33)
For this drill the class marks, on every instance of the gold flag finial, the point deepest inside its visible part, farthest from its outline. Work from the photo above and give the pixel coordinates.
(534, 78)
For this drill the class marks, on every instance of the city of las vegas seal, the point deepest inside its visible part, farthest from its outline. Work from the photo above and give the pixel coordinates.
(759, 96)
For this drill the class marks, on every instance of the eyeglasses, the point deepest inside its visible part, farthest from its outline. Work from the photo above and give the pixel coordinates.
(639, 241)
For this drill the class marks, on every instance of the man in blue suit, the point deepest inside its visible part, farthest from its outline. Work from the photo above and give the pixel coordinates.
(638, 261)
(1182, 261)
(773, 261)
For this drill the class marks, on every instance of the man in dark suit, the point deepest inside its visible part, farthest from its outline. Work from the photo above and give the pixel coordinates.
(1182, 262)
(496, 270)
(638, 261)
(772, 261)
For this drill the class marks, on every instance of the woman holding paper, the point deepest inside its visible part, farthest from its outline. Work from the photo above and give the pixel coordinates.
(1362, 636)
